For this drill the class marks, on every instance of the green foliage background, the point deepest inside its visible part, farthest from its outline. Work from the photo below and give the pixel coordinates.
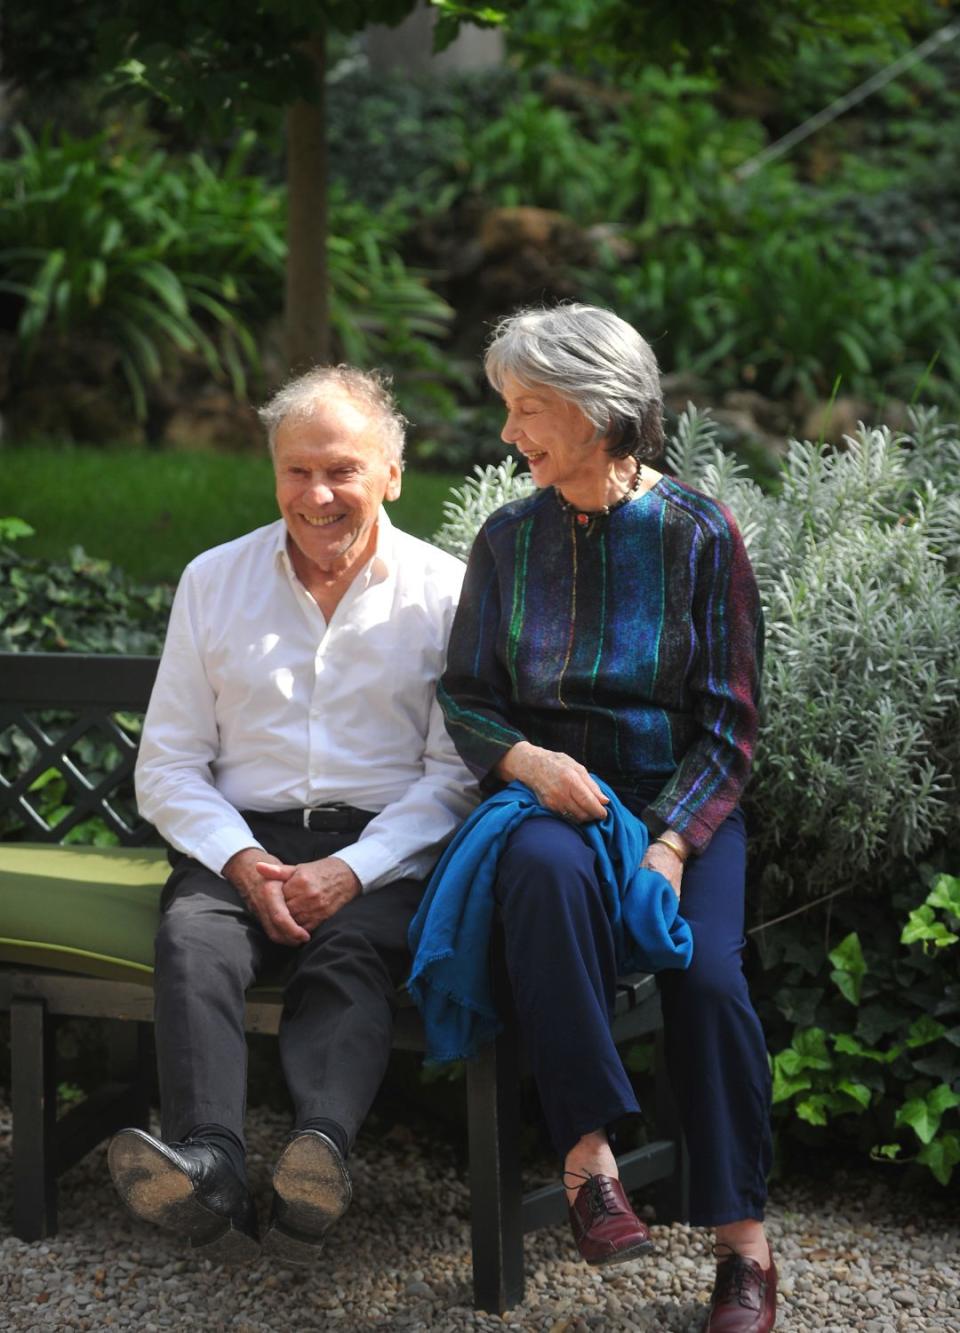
(148, 252)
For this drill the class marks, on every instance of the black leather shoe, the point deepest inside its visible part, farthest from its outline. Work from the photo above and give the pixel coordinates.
(189, 1188)
(311, 1191)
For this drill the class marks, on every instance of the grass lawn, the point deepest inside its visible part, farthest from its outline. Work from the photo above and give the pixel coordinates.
(150, 512)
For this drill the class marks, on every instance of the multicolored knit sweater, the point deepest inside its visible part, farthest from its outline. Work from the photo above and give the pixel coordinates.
(632, 644)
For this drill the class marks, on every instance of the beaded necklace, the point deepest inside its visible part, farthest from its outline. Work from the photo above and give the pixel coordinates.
(585, 518)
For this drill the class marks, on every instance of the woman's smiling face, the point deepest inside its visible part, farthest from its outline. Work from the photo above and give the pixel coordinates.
(561, 445)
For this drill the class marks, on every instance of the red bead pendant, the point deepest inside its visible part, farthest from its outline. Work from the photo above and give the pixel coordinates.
(583, 519)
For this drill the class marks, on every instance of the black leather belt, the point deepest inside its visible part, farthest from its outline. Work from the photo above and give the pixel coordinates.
(317, 818)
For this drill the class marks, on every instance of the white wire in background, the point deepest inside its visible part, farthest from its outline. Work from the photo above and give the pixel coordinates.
(844, 103)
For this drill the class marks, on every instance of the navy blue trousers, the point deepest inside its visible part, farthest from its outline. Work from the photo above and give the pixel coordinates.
(562, 969)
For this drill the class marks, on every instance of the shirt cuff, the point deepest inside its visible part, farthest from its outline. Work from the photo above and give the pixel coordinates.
(374, 862)
(217, 848)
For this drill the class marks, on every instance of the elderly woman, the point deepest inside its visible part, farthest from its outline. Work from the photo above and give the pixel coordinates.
(610, 627)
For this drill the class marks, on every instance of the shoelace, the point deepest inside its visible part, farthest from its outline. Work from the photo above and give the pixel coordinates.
(600, 1196)
(737, 1280)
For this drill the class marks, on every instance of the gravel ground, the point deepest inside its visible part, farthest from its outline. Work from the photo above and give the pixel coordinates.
(856, 1257)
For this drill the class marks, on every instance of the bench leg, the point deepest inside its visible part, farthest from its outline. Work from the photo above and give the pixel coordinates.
(34, 1104)
(673, 1193)
(130, 1059)
(493, 1115)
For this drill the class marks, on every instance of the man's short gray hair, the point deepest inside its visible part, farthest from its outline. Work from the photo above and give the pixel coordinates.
(592, 358)
(369, 390)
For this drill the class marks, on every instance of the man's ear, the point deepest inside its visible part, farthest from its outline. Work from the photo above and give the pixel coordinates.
(394, 484)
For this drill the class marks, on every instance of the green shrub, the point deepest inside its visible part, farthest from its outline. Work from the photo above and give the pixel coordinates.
(867, 1034)
(858, 761)
(652, 151)
(153, 257)
(383, 313)
(393, 139)
(782, 285)
(534, 153)
(83, 605)
(486, 490)
(118, 245)
(655, 157)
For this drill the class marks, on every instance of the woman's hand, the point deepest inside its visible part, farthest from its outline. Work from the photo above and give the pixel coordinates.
(670, 865)
(558, 782)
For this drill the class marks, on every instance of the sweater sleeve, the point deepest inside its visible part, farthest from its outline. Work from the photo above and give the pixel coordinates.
(725, 685)
(475, 690)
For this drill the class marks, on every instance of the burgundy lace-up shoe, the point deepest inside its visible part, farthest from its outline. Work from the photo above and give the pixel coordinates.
(744, 1298)
(605, 1227)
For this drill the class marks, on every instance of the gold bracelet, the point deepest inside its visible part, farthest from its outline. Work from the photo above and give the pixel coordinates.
(672, 840)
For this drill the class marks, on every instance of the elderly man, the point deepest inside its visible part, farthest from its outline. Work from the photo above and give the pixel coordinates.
(295, 758)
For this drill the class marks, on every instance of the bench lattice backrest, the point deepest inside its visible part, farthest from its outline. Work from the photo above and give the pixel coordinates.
(69, 730)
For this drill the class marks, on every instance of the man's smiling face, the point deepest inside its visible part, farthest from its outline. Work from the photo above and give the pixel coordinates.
(332, 473)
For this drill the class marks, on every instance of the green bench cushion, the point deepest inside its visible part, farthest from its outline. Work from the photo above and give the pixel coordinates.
(91, 910)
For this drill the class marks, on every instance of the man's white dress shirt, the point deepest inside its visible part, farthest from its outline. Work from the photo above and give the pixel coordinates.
(261, 704)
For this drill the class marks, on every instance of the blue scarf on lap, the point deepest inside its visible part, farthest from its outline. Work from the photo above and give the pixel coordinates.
(450, 935)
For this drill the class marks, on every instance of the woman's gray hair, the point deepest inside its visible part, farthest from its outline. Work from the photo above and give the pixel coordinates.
(592, 358)
(367, 389)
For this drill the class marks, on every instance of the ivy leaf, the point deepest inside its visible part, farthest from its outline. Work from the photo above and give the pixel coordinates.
(786, 1084)
(813, 1110)
(923, 928)
(876, 1019)
(12, 528)
(798, 1004)
(848, 1045)
(941, 1156)
(810, 1046)
(923, 1114)
(885, 1150)
(924, 1030)
(48, 776)
(942, 1065)
(807, 957)
(946, 894)
(849, 967)
(857, 1091)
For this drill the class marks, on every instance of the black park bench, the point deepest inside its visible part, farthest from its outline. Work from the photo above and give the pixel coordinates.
(76, 935)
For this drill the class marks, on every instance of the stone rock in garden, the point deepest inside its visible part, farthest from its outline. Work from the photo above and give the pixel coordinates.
(750, 416)
(685, 386)
(770, 416)
(71, 391)
(78, 411)
(504, 231)
(526, 254)
(832, 421)
(612, 239)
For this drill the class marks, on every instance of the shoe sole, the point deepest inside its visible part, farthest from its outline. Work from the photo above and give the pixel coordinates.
(316, 1192)
(157, 1191)
(622, 1256)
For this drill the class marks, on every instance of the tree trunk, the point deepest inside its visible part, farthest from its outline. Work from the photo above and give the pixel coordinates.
(306, 320)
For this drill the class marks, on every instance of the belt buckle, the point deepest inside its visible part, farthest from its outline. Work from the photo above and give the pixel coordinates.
(308, 810)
